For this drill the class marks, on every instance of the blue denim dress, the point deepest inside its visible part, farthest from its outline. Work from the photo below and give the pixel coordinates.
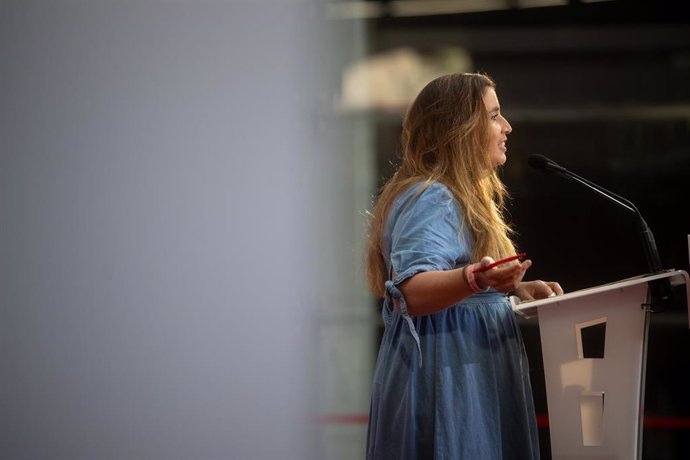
(455, 384)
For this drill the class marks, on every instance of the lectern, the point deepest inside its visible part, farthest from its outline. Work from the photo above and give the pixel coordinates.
(594, 346)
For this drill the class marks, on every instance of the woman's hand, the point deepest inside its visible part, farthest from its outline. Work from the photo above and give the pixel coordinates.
(534, 290)
(502, 279)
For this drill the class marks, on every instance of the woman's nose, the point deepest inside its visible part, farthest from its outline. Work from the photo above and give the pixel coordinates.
(506, 127)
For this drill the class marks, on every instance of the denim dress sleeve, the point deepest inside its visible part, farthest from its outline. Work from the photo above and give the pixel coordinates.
(424, 234)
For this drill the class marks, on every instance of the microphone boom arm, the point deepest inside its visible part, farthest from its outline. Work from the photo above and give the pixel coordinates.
(650, 249)
(603, 192)
(661, 293)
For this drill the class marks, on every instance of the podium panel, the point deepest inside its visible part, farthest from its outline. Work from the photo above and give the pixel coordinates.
(594, 345)
(594, 403)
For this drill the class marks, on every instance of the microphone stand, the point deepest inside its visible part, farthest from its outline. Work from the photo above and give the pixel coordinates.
(661, 291)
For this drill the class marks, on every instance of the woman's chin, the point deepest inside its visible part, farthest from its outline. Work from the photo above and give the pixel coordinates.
(500, 160)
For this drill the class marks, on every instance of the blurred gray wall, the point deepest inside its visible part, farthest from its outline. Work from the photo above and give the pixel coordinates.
(162, 178)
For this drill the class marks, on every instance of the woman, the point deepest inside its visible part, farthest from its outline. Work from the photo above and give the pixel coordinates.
(451, 378)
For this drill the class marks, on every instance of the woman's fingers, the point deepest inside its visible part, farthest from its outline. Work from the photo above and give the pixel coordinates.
(503, 279)
(486, 261)
(537, 289)
(555, 287)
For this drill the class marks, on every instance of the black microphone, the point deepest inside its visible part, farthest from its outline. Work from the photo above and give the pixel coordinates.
(543, 164)
(661, 291)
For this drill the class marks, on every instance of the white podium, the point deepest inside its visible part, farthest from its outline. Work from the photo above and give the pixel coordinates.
(594, 346)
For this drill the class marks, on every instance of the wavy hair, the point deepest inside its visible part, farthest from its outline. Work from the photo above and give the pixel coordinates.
(445, 139)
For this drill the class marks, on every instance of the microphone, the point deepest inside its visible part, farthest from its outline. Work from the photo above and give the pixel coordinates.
(543, 164)
(661, 291)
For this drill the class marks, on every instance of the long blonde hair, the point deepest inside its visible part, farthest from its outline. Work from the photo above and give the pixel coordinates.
(445, 139)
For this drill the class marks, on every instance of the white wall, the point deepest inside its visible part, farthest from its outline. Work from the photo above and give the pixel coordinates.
(163, 178)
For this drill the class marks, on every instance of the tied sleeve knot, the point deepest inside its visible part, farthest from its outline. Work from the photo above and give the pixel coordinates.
(396, 297)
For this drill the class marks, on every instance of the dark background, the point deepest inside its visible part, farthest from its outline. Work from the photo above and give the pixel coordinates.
(604, 90)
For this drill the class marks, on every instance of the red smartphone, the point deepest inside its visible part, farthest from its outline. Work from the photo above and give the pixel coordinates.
(500, 262)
